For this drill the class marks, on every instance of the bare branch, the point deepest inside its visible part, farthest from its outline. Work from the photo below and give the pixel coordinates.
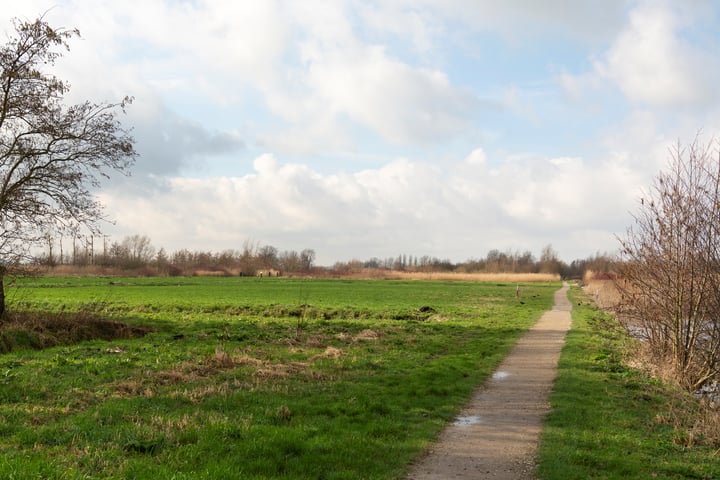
(51, 153)
(672, 264)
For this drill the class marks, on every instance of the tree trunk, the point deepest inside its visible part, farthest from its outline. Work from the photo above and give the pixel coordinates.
(2, 294)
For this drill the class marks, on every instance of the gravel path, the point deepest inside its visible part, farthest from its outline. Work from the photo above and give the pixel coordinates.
(496, 434)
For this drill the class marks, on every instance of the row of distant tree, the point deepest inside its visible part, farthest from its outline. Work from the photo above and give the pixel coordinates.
(495, 261)
(137, 253)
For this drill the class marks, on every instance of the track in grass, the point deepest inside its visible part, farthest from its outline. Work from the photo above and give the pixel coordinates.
(496, 434)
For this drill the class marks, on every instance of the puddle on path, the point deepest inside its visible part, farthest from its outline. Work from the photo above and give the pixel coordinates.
(463, 420)
(500, 375)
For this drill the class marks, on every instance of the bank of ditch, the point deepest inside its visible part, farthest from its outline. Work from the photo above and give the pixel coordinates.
(609, 420)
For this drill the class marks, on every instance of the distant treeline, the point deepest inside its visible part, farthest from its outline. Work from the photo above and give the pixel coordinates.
(136, 255)
(495, 261)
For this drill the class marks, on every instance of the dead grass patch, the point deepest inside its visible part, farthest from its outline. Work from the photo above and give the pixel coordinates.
(273, 371)
(189, 372)
(367, 335)
(604, 293)
(129, 388)
(245, 359)
(695, 422)
(39, 330)
(344, 337)
(186, 372)
(315, 341)
(171, 426)
(329, 353)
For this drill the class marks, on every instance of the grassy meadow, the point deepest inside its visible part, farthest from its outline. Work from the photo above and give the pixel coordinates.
(252, 378)
(610, 421)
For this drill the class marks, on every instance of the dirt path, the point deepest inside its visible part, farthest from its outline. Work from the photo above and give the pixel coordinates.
(496, 434)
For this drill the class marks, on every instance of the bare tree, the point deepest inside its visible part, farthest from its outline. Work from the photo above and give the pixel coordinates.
(51, 154)
(289, 261)
(549, 261)
(140, 251)
(307, 258)
(268, 256)
(671, 269)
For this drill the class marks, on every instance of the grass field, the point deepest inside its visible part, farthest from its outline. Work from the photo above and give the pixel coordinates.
(608, 420)
(251, 378)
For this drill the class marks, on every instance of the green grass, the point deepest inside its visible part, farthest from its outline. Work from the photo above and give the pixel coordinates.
(606, 418)
(252, 378)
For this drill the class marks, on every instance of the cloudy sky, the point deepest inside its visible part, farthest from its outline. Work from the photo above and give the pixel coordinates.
(373, 128)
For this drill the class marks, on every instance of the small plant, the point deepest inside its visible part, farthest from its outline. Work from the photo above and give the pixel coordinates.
(282, 415)
(302, 319)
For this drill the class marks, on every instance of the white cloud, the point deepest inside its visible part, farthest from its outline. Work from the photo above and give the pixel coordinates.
(652, 62)
(342, 81)
(586, 20)
(294, 85)
(476, 157)
(404, 206)
(420, 27)
(196, 40)
(400, 103)
(582, 88)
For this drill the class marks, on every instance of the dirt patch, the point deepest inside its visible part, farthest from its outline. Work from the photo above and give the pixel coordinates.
(496, 434)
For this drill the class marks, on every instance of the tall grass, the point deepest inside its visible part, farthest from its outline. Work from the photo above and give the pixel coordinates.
(602, 288)
(461, 277)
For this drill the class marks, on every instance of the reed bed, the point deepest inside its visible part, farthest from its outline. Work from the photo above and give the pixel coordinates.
(460, 277)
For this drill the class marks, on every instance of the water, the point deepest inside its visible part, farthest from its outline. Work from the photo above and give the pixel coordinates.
(500, 375)
(710, 391)
(464, 420)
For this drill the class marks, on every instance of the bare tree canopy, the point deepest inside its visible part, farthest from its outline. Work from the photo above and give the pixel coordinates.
(671, 273)
(51, 154)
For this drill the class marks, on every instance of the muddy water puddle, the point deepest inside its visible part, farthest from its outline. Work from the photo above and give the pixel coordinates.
(464, 420)
(500, 375)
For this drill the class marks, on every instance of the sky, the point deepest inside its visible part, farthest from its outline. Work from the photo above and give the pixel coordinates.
(374, 128)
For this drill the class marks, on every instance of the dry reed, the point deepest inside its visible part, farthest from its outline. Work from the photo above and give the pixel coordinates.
(453, 276)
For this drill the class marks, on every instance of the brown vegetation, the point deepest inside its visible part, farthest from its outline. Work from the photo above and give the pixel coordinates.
(43, 330)
(456, 276)
(135, 256)
(670, 273)
(602, 288)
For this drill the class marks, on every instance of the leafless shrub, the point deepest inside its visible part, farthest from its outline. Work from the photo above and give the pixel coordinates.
(671, 268)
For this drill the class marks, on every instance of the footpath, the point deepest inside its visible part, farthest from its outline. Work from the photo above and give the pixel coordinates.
(496, 435)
